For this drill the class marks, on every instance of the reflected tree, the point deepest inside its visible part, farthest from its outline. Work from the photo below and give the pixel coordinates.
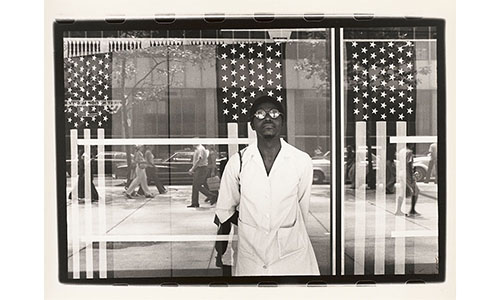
(166, 61)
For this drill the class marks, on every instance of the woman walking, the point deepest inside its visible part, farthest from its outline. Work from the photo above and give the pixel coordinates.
(140, 175)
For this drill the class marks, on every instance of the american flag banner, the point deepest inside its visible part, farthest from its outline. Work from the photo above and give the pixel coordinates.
(246, 71)
(382, 81)
(381, 101)
(88, 96)
(88, 106)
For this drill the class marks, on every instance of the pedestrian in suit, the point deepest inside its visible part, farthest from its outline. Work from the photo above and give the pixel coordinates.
(212, 171)
(81, 178)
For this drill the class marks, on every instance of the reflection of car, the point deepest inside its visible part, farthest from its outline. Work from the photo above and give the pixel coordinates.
(112, 159)
(173, 170)
(321, 168)
(420, 167)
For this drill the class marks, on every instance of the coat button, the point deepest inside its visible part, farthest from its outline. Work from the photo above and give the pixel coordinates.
(264, 266)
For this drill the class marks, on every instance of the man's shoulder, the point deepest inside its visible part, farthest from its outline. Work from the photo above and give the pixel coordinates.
(297, 153)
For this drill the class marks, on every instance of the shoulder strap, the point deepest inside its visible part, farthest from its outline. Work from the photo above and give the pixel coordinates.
(240, 154)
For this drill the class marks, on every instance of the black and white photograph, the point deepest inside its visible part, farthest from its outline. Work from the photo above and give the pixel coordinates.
(246, 152)
(390, 178)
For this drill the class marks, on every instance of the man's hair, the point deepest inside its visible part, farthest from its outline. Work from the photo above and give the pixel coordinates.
(262, 100)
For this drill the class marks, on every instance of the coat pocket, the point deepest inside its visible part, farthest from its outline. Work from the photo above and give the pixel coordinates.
(246, 238)
(290, 240)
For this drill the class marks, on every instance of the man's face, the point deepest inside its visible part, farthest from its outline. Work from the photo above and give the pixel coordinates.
(267, 127)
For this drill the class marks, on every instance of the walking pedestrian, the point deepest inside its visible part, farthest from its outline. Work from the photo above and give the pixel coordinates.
(94, 195)
(199, 170)
(140, 175)
(412, 190)
(432, 163)
(152, 172)
(212, 171)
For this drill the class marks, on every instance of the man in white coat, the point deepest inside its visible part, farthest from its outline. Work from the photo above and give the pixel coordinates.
(271, 191)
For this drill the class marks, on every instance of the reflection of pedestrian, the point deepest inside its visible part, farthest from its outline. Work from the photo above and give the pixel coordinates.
(412, 189)
(81, 178)
(212, 170)
(151, 171)
(349, 165)
(432, 163)
(272, 191)
(200, 175)
(140, 175)
(318, 151)
(390, 170)
(224, 229)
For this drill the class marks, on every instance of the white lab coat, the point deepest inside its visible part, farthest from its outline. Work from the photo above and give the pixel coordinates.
(272, 236)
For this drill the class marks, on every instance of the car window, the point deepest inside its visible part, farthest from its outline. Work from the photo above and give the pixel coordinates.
(182, 157)
(121, 155)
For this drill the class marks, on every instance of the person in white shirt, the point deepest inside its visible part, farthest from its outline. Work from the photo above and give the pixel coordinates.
(271, 193)
(199, 170)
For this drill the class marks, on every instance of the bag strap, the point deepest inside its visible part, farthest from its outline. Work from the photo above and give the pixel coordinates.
(240, 154)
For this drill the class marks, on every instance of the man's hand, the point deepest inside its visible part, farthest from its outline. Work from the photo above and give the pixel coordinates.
(191, 171)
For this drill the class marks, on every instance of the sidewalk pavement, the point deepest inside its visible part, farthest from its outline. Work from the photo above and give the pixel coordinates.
(421, 252)
(143, 220)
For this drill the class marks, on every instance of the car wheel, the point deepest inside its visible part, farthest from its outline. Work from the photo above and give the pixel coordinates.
(419, 174)
(318, 177)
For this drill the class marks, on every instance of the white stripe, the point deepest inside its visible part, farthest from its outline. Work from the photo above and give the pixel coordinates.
(88, 208)
(333, 153)
(412, 139)
(167, 141)
(380, 200)
(158, 238)
(342, 179)
(414, 233)
(101, 183)
(252, 135)
(232, 134)
(75, 229)
(359, 200)
(400, 242)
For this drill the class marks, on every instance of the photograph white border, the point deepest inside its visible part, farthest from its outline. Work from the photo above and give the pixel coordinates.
(88, 9)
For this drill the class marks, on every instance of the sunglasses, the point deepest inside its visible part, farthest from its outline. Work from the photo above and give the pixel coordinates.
(261, 114)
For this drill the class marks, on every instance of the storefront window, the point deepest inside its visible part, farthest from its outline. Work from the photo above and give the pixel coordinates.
(390, 203)
(162, 87)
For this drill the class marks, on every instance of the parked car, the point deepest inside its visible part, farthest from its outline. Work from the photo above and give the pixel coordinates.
(173, 170)
(112, 159)
(421, 167)
(321, 168)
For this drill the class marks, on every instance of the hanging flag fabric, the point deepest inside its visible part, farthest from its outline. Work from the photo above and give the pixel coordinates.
(381, 78)
(381, 101)
(246, 71)
(87, 84)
